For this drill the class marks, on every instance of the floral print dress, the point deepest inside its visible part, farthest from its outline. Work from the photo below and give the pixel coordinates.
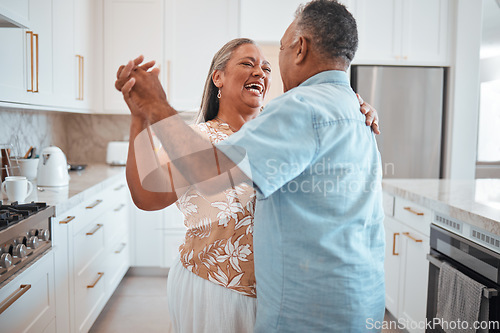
(219, 240)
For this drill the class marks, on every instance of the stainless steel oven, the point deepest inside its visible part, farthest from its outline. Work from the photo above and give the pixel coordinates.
(472, 259)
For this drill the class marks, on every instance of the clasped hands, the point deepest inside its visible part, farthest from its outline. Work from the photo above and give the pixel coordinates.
(142, 90)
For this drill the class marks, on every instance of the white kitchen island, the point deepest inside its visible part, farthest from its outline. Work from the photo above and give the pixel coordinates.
(410, 206)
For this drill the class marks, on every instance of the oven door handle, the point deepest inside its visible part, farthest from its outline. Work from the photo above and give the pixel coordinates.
(487, 292)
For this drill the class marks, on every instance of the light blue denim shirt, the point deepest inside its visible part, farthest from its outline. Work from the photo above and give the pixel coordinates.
(318, 234)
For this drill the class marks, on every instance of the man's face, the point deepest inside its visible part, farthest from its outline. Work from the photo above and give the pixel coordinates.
(287, 57)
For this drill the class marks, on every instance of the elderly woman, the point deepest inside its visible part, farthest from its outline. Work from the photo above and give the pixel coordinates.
(211, 288)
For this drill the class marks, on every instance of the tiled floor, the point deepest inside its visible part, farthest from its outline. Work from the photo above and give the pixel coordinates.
(139, 304)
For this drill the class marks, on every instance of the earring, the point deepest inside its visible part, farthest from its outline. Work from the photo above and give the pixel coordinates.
(218, 94)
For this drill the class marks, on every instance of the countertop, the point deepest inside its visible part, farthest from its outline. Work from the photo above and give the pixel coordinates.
(82, 185)
(476, 202)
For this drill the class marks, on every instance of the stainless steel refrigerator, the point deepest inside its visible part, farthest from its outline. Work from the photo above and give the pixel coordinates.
(410, 104)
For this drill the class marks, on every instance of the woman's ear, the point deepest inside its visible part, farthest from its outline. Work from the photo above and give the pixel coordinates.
(301, 50)
(217, 78)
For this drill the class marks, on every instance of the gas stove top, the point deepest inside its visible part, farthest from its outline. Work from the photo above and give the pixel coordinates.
(24, 235)
(15, 212)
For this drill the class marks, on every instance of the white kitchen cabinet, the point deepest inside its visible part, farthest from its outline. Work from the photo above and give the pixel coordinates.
(195, 31)
(406, 266)
(91, 243)
(403, 32)
(27, 66)
(131, 28)
(157, 236)
(33, 310)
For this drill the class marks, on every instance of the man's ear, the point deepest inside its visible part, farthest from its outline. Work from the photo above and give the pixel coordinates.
(301, 49)
(217, 78)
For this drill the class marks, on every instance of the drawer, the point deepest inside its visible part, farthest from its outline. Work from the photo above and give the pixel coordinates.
(90, 295)
(91, 209)
(118, 262)
(116, 221)
(32, 293)
(88, 245)
(413, 215)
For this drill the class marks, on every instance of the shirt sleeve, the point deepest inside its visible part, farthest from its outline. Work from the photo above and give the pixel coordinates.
(275, 147)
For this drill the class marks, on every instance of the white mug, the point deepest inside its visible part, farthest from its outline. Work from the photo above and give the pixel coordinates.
(17, 188)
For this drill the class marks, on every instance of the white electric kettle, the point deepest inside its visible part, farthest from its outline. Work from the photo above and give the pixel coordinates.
(52, 168)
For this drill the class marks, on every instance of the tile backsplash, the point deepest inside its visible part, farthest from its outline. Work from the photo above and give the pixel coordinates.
(82, 137)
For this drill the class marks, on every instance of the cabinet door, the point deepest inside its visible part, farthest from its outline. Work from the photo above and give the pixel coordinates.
(172, 239)
(87, 28)
(41, 25)
(64, 58)
(147, 238)
(392, 264)
(379, 29)
(425, 32)
(195, 31)
(414, 279)
(13, 80)
(131, 28)
(34, 309)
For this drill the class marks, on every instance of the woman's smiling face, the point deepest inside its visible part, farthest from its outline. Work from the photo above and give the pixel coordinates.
(246, 78)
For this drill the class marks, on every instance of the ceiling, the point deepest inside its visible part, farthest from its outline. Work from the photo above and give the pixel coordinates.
(490, 42)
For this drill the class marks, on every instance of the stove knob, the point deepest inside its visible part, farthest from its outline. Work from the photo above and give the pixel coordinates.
(7, 248)
(33, 242)
(19, 251)
(5, 260)
(33, 232)
(44, 234)
(20, 240)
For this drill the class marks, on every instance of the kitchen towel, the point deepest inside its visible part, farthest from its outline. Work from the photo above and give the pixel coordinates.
(459, 300)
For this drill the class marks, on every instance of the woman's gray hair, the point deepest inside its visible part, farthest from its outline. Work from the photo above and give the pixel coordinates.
(331, 28)
(209, 101)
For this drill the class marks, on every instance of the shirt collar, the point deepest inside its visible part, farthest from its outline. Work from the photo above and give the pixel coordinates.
(337, 77)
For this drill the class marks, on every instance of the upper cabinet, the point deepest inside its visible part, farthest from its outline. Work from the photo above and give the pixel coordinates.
(408, 32)
(44, 65)
(131, 28)
(27, 65)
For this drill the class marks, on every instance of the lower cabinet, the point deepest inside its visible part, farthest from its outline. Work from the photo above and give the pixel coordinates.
(157, 236)
(33, 309)
(91, 243)
(406, 266)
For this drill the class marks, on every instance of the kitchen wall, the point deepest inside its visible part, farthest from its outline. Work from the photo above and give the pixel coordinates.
(82, 137)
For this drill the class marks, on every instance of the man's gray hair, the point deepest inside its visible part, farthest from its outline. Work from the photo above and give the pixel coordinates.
(330, 27)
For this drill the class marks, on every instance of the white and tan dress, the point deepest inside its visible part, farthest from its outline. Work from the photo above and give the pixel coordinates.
(212, 287)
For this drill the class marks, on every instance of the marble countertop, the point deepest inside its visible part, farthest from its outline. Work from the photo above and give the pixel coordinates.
(82, 185)
(476, 202)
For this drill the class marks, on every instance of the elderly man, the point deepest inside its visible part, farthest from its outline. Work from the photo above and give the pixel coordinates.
(318, 235)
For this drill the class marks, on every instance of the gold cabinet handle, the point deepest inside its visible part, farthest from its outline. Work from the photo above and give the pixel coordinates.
(37, 57)
(67, 220)
(6, 303)
(99, 276)
(119, 187)
(407, 234)
(394, 244)
(117, 209)
(95, 203)
(168, 78)
(79, 93)
(411, 210)
(82, 78)
(123, 245)
(30, 33)
(93, 231)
